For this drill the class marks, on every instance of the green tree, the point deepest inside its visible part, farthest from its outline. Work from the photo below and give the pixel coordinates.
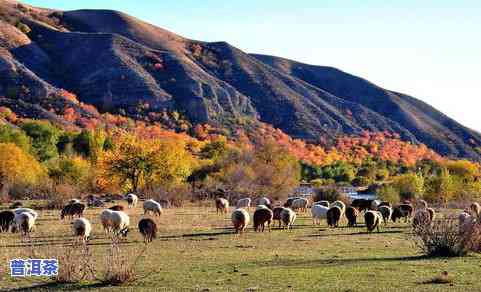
(388, 193)
(10, 135)
(44, 138)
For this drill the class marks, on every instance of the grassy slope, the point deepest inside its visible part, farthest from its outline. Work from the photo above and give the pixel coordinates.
(196, 250)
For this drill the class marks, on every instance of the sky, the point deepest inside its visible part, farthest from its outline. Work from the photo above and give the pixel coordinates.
(429, 49)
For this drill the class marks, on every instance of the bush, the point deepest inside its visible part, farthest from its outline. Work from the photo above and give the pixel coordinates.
(443, 238)
(389, 194)
(329, 194)
(361, 181)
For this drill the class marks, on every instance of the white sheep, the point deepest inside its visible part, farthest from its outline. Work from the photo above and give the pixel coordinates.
(300, 204)
(243, 203)
(322, 203)
(318, 212)
(81, 228)
(263, 201)
(26, 210)
(288, 216)
(132, 200)
(240, 219)
(106, 220)
(24, 222)
(152, 206)
(120, 223)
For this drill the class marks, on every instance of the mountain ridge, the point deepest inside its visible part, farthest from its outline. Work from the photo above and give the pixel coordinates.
(120, 63)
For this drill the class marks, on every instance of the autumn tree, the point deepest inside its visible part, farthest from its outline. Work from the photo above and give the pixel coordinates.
(139, 162)
(410, 186)
(17, 167)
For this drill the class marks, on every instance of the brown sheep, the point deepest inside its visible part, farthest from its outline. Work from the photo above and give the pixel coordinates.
(276, 215)
(262, 216)
(117, 208)
(221, 205)
(72, 209)
(361, 204)
(372, 220)
(333, 216)
(402, 211)
(6, 220)
(148, 229)
(351, 215)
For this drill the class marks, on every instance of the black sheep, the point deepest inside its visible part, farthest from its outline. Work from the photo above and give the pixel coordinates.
(6, 220)
(351, 215)
(333, 216)
(148, 229)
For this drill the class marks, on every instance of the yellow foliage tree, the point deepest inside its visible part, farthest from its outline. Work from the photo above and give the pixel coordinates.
(18, 167)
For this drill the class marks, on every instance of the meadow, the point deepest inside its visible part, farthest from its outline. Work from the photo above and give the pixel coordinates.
(196, 250)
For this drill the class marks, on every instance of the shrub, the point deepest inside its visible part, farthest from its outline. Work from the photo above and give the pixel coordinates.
(443, 238)
(361, 181)
(329, 194)
(118, 269)
(389, 194)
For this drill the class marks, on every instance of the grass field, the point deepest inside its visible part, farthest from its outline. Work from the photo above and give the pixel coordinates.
(196, 251)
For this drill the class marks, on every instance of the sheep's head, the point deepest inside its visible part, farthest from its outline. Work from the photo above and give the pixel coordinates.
(124, 231)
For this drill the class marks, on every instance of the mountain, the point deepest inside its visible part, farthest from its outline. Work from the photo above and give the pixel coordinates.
(121, 64)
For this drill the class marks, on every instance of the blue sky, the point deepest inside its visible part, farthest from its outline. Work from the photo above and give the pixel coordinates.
(430, 49)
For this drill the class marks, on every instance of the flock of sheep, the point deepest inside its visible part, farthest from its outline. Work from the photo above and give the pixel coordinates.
(114, 220)
(117, 222)
(375, 213)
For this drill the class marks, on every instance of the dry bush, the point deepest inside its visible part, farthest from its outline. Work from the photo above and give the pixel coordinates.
(444, 238)
(120, 269)
(76, 263)
(176, 195)
(60, 195)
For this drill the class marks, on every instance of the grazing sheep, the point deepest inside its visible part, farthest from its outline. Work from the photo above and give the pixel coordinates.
(361, 204)
(276, 214)
(341, 206)
(262, 216)
(24, 223)
(318, 212)
(82, 228)
(289, 201)
(6, 220)
(475, 209)
(26, 210)
(221, 205)
(288, 216)
(322, 203)
(421, 218)
(372, 220)
(132, 200)
(72, 210)
(333, 216)
(106, 220)
(148, 229)
(351, 215)
(240, 220)
(263, 201)
(300, 204)
(243, 203)
(120, 223)
(117, 208)
(152, 206)
(402, 211)
(386, 213)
